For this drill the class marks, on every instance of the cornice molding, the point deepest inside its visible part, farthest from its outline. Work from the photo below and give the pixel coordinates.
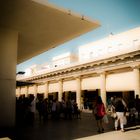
(128, 61)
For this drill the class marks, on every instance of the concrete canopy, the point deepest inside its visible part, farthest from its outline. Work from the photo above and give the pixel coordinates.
(41, 27)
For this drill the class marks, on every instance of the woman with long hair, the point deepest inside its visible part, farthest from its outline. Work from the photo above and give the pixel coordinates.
(99, 112)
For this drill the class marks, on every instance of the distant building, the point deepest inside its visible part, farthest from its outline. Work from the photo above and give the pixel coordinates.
(107, 67)
(64, 59)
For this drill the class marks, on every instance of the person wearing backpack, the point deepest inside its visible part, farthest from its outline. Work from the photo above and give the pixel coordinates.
(99, 112)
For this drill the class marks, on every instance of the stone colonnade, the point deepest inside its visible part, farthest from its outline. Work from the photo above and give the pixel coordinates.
(136, 74)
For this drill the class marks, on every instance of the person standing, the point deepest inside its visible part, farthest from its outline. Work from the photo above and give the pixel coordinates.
(32, 109)
(120, 108)
(99, 112)
(137, 104)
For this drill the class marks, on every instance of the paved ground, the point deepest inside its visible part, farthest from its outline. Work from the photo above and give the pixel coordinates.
(76, 129)
(115, 135)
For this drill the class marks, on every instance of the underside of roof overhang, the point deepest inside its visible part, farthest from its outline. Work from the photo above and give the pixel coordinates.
(41, 27)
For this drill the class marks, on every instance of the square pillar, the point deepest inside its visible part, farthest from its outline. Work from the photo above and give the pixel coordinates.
(8, 61)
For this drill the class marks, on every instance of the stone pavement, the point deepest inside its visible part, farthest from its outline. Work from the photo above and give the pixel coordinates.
(5, 138)
(115, 135)
(76, 129)
(61, 129)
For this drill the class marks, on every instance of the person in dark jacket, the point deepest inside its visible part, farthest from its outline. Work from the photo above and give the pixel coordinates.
(120, 108)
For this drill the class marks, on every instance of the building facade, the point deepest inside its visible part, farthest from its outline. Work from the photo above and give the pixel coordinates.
(107, 67)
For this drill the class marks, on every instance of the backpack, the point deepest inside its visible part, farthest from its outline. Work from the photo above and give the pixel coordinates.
(100, 110)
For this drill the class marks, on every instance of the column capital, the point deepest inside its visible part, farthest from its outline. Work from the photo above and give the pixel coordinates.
(77, 76)
(101, 72)
(59, 79)
(46, 82)
(35, 85)
(135, 66)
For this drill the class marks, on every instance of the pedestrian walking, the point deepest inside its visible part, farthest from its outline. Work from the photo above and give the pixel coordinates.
(99, 112)
(120, 108)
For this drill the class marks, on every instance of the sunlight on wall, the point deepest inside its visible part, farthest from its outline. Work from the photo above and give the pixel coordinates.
(112, 45)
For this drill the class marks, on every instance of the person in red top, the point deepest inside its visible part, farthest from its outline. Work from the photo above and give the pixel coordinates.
(99, 112)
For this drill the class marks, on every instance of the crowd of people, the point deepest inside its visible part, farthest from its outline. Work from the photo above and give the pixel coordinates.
(28, 107)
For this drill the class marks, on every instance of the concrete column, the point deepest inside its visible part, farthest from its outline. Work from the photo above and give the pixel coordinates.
(78, 92)
(103, 87)
(35, 91)
(46, 89)
(66, 95)
(8, 61)
(60, 92)
(26, 91)
(18, 92)
(137, 81)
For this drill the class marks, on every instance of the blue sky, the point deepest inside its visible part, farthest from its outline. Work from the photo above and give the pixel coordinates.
(114, 15)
